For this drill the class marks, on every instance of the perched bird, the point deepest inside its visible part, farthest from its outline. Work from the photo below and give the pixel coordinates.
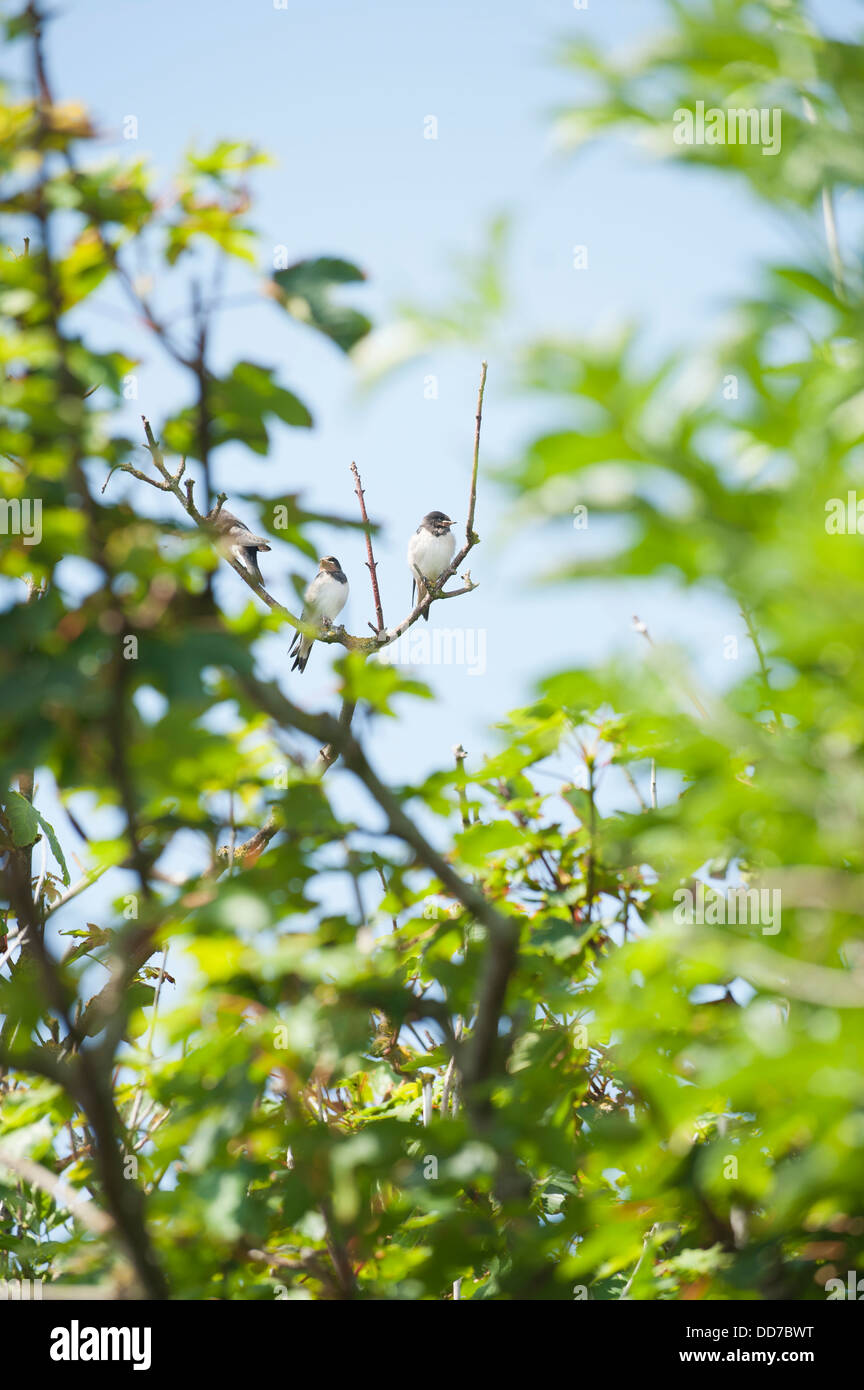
(430, 551)
(324, 600)
(237, 541)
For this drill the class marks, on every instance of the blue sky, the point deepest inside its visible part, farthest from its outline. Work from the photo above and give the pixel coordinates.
(338, 94)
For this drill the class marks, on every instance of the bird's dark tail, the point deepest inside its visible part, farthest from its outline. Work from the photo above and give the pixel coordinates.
(250, 556)
(251, 561)
(300, 649)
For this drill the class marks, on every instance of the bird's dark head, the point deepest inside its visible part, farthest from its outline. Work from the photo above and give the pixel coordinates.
(329, 564)
(437, 522)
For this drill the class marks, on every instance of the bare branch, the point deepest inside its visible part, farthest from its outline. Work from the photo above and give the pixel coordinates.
(171, 482)
(370, 558)
(469, 526)
(42, 1178)
(503, 931)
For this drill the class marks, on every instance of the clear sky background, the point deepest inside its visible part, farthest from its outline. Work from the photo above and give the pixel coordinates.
(337, 92)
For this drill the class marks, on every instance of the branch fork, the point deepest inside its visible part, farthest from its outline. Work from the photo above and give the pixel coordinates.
(382, 636)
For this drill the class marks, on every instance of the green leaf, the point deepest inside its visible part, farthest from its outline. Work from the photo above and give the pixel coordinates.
(305, 291)
(24, 820)
(55, 847)
(807, 283)
(480, 841)
(239, 406)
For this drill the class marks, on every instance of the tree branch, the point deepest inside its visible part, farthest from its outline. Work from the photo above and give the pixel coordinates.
(477, 1058)
(478, 420)
(370, 558)
(171, 482)
(42, 1178)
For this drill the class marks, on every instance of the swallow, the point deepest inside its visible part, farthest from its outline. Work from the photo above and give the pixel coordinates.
(430, 551)
(237, 542)
(324, 600)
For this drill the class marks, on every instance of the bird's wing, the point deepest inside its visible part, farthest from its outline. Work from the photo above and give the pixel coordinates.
(307, 616)
(255, 542)
(241, 535)
(312, 597)
(413, 549)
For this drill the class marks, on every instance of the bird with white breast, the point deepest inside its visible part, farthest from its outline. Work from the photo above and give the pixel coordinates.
(430, 551)
(324, 600)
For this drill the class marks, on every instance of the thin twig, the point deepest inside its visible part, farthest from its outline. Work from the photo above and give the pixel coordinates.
(469, 527)
(634, 787)
(829, 220)
(460, 754)
(42, 1178)
(86, 882)
(171, 482)
(450, 1078)
(232, 842)
(17, 937)
(760, 656)
(145, 1139)
(640, 627)
(136, 1106)
(370, 558)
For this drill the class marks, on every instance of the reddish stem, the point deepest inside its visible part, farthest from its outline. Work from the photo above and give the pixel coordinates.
(370, 558)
